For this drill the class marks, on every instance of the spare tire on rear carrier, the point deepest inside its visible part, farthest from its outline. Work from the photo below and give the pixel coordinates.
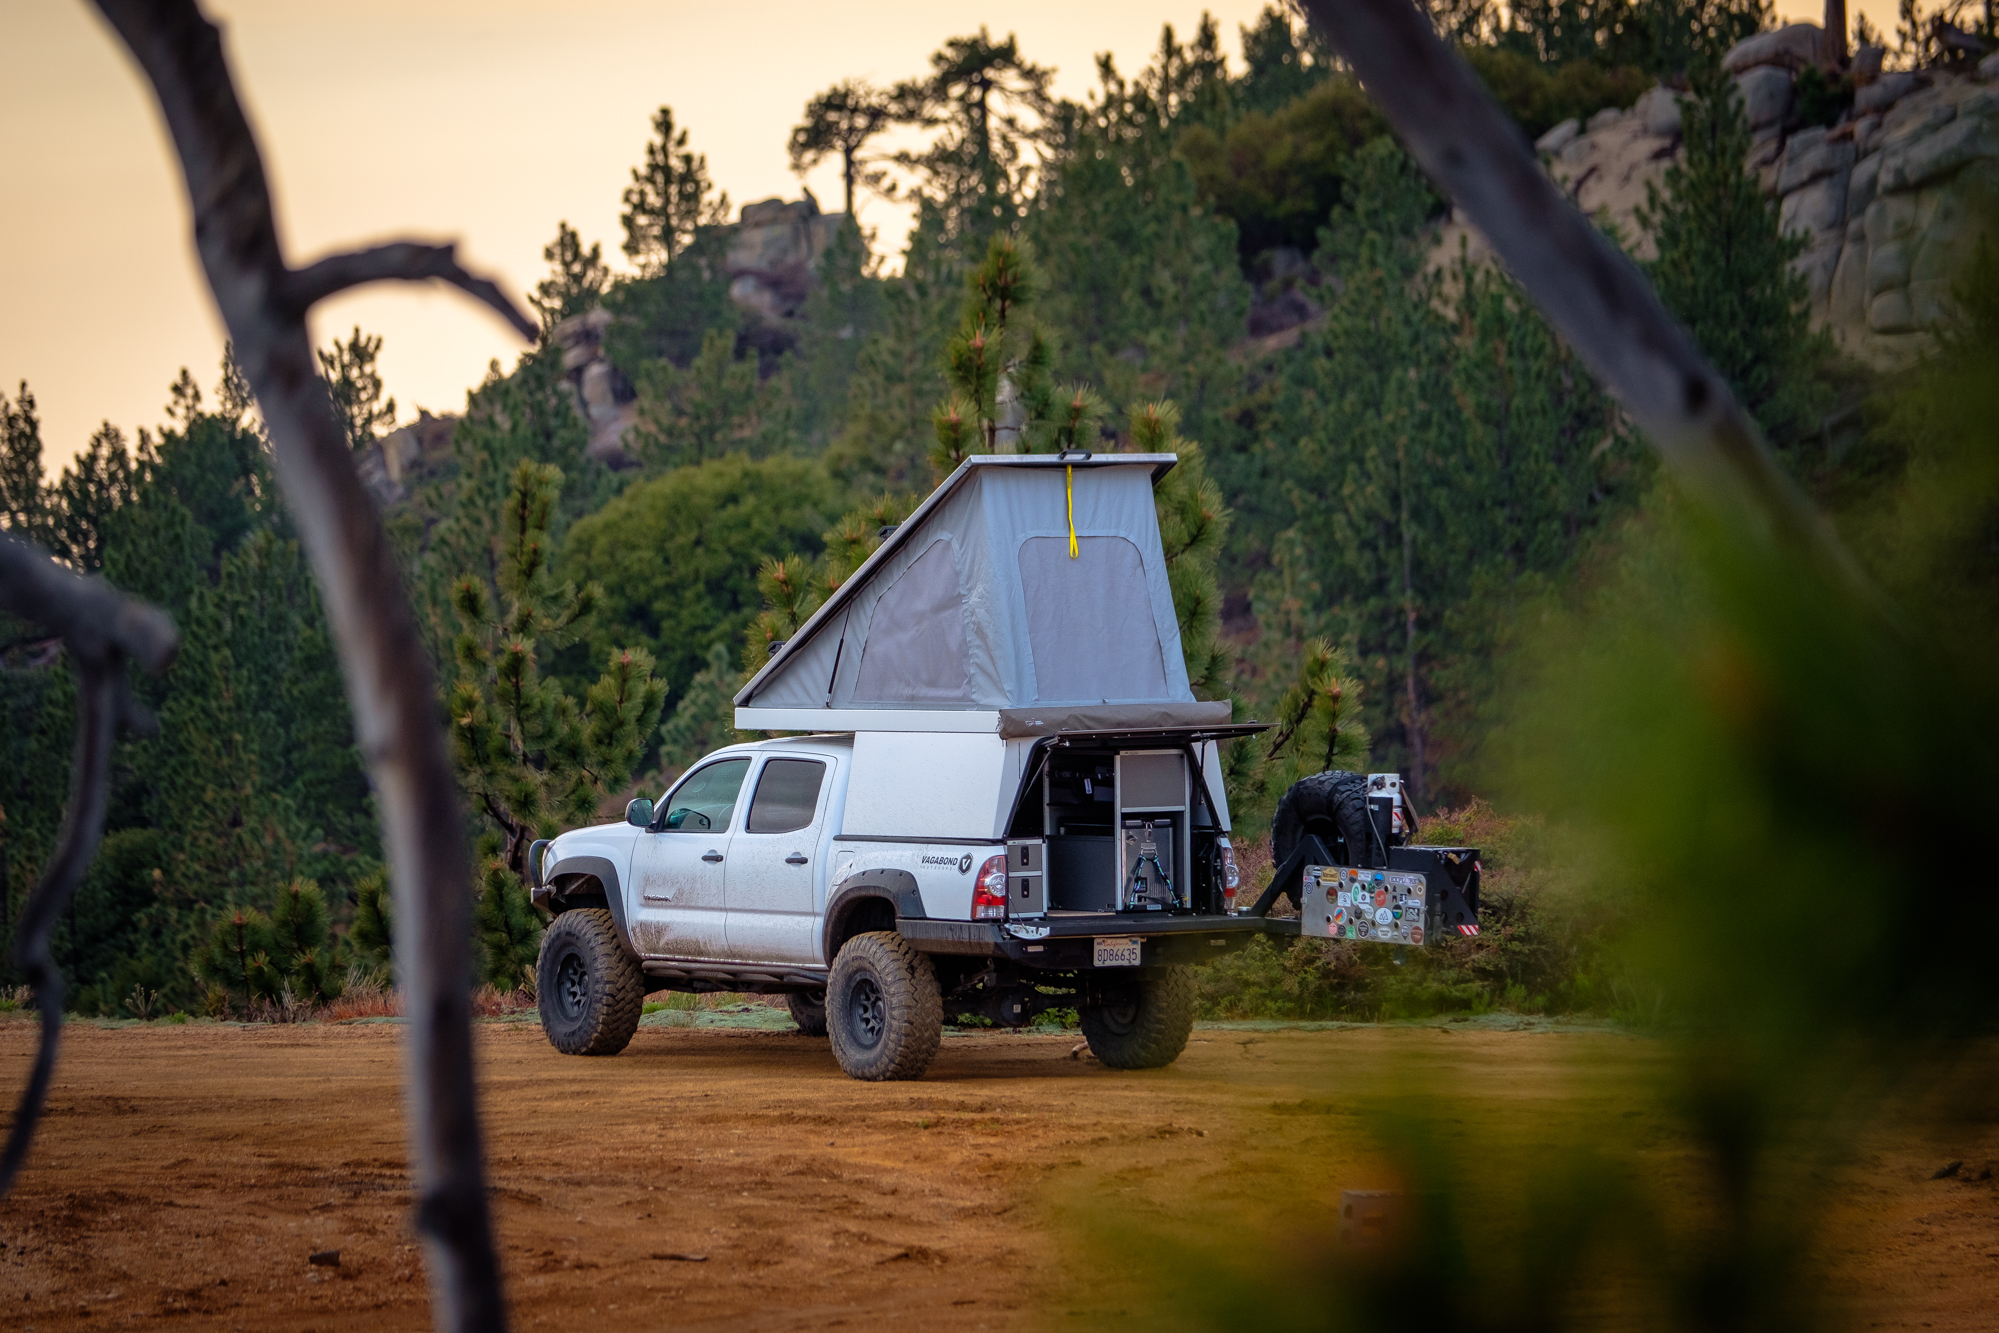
(1331, 805)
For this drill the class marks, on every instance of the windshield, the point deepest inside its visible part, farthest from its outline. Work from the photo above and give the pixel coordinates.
(705, 802)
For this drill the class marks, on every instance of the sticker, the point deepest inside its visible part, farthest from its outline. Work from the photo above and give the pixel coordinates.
(1350, 931)
(1379, 877)
(1382, 916)
(1363, 930)
(1339, 916)
(1381, 897)
(1415, 934)
(1396, 912)
(1345, 898)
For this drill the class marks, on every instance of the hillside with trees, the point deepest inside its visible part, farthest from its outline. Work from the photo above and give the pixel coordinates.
(1391, 466)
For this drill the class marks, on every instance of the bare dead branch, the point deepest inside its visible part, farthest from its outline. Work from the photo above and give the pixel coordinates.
(1593, 294)
(101, 629)
(387, 673)
(89, 615)
(400, 261)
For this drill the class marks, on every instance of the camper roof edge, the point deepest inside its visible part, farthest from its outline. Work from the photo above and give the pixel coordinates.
(1161, 465)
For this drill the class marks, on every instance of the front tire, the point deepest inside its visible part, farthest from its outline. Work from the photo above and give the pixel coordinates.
(808, 1011)
(1143, 1023)
(884, 1010)
(589, 990)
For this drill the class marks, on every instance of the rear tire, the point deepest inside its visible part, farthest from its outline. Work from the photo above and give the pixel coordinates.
(883, 1008)
(590, 992)
(1141, 1025)
(808, 1010)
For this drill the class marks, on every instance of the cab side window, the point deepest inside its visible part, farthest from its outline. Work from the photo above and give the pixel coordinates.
(787, 795)
(706, 801)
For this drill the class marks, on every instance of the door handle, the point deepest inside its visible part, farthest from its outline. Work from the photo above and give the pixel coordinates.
(711, 855)
(794, 860)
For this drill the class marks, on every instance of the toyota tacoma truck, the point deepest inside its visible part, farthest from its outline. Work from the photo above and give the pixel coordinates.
(998, 796)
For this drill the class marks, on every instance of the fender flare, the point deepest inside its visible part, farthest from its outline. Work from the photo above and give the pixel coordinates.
(606, 874)
(896, 887)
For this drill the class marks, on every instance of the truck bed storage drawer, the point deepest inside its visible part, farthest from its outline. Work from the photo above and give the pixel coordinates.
(1026, 877)
(1082, 873)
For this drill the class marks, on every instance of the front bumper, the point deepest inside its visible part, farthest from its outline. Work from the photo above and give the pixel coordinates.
(1066, 943)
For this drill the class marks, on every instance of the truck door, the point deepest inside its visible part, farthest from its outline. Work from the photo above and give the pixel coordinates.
(773, 864)
(678, 865)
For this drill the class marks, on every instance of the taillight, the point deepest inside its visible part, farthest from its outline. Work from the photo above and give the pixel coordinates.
(1231, 876)
(989, 890)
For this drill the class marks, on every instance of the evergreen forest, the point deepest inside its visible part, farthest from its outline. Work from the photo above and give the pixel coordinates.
(1393, 472)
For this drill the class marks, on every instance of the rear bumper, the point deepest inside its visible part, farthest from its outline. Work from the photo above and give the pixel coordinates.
(1065, 943)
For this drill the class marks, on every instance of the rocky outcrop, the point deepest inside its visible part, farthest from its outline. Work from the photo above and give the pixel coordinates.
(1882, 197)
(773, 251)
(1884, 200)
(770, 255)
(392, 463)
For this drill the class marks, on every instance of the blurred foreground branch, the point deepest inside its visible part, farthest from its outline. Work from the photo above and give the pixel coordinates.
(263, 303)
(101, 630)
(1592, 293)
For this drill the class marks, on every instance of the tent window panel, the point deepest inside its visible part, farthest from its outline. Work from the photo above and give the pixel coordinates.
(915, 648)
(1090, 622)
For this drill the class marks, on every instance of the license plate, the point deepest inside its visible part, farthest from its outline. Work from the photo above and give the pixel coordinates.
(1120, 951)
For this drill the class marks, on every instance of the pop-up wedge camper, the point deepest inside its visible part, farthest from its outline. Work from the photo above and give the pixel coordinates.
(992, 792)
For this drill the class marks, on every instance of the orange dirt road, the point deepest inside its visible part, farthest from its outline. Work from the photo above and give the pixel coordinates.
(185, 1174)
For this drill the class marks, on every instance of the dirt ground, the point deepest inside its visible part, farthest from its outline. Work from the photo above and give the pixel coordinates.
(186, 1174)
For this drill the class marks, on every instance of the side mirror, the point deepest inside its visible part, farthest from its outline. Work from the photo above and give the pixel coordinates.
(639, 813)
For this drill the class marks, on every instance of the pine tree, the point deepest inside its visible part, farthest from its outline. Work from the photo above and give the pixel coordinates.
(505, 922)
(670, 198)
(301, 946)
(997, 364)
(531, 758)
(235, 961)
(990, 103)
(97, 484)
(1141, 276)
(718, 405)
(23, 497)
(1192, 524)
(354, 382)
(371, 934)
(576, 281)
(841, 121)
(1724, 264)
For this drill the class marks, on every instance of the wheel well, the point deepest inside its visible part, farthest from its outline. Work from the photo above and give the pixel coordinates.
(858, 916)
(577, 891)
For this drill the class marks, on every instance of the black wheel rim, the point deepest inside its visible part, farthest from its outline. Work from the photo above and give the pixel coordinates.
(868, 1010)
(572, 986)
(1121, 1015)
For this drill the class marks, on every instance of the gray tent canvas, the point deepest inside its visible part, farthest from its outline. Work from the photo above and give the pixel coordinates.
(979, 612)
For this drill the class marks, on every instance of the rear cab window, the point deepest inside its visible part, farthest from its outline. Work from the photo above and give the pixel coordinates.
(787, 795)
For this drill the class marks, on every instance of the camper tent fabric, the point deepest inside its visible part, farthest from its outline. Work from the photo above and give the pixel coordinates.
(977, 603)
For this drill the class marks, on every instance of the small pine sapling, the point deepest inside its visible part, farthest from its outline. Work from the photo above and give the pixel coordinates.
(531, 760)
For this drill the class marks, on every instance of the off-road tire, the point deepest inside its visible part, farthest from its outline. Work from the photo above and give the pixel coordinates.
(1143, 1025)
(1332, 805)
(884, 1010)
(808, 1010)
(589, 990)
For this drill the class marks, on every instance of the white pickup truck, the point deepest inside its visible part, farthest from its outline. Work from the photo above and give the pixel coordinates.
(767, 868)
(1006, 800)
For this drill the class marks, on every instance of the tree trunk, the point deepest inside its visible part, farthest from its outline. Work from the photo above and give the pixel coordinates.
(263, 304)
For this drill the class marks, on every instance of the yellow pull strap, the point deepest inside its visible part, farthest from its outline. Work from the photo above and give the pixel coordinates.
(1069, 484)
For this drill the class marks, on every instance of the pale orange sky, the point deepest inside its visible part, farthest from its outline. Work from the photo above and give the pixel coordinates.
(486, 122)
